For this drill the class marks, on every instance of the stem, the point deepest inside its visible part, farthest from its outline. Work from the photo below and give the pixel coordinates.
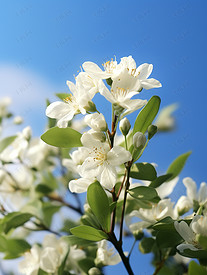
(119, 192)
(130, 252)
(59, 199)
(161, 263)
(124, 205)
(126, 142)
(119, 249)
(114, 211)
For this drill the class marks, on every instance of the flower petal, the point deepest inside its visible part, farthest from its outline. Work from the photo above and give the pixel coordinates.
(144, 71)
(150, 83)
(108, 177)
(118, 155)
(79, 185)
(57, 109)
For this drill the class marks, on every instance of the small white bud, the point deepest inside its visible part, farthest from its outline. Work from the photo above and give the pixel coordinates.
(139, 140)
(18, 120)
(96, 121)
(183, 205)
(27, 132)
(100, 136)
(124, 126)
(94, 271)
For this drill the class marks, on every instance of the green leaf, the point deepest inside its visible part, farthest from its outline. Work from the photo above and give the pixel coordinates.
(99, 204)
(62, 96)
(49, 209)
(202, 241)
(62, 266)
(43, 188)
(147, 115)
(143, 193)
(6, 142)
(146, 245)
(159, 180)
(16, 247)
(177, 165)
(165, 224)
(199, 254)
(195, 269)
(14, 219)
(143, 171)
(88, 233)
(86, 264)
(62, 137)
(168, 238)
(73, 240)
(42, 272)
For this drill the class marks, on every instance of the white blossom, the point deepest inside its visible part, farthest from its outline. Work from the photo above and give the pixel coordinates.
(102, 160)
(149, 217)
(198, 226)
(75, 103)
(96, 121)
(105, 255)
(31, 262)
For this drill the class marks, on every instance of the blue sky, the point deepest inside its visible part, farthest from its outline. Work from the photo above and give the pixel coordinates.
(43, 44)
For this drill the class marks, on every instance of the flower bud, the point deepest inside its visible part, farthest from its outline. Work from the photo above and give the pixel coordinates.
(90, 107)
(152, 130)
(27, 132)
(100, 136)
(139, 140)
(138, 235)
(124, 126)
(183, 205)
(94, 271)
(18, 120)
(96, 121)
(118, 109)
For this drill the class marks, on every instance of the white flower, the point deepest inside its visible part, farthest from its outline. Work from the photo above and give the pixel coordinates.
(17, 147)
(49, 261)
(102, 160)
(53, 253)
(166, 188)
(125, 73)
(105, 255)
(75, 255)
(198, 226)
(192, 194)
(96, 121)
(122, 97)
(183, 205)
(165, 121)
(31, 263)
(36, 153)
(75, 103)
(89, 83)
(149, 217)
(4, 103)
(77, 159)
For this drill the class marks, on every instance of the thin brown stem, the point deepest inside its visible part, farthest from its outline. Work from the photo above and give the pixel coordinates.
(124, 205)
(119, 249)
(122, 184)
(59, 199)
(113, 216)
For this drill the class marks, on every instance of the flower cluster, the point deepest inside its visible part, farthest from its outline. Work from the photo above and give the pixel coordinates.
(40, 182)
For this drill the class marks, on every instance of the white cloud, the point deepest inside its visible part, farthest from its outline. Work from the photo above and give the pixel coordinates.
(27, 90)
